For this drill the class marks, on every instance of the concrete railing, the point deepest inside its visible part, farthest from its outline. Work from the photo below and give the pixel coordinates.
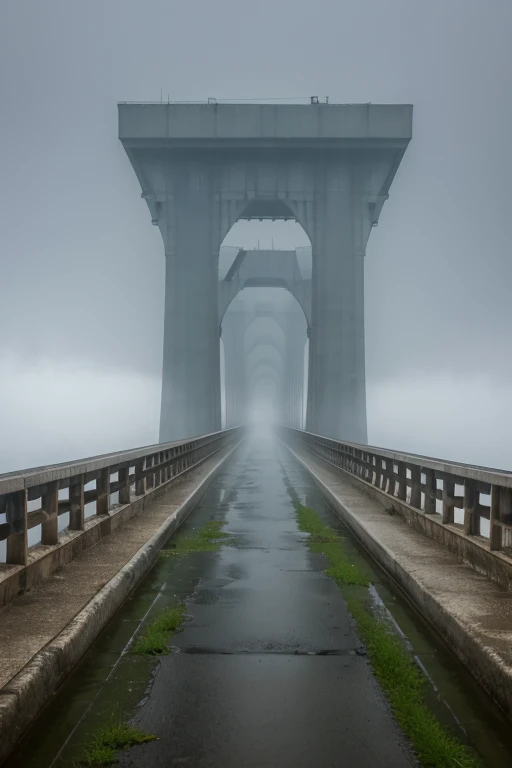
(474, 501)
(89, 491)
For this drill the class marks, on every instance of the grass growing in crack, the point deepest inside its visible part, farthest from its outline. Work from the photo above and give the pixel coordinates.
(109, 741)
(403, 683)
(155, 640)
(399, 676)
(325, 541)
(209, 538)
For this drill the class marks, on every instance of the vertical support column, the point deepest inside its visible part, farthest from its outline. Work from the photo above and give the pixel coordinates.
(76, 504)
(17, 541)
(150, 479)
(336, 387)
(415, 500)
(50, 528)
(471, 519)
(390, 470)
(495, 531)
(140, 482)
(296, 328)
(234, 326)
(448, 494)
(402, 481)
(430, 492)
(191, 360)
(124, 491)
(103, 492)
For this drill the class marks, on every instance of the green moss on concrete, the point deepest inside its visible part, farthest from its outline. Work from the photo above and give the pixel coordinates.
(399, 676)
(156, 637)
(106, 744)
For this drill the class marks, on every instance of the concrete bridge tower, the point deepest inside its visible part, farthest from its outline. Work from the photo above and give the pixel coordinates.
(201, 168)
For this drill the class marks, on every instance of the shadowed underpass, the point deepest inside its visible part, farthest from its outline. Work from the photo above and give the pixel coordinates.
(269, 669)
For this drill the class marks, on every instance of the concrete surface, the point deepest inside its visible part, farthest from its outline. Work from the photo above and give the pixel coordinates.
(268, 671)
(45, 631)
(472, 613)
(200, 124)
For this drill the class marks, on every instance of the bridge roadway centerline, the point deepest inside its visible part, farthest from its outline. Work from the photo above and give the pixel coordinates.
(270, 671)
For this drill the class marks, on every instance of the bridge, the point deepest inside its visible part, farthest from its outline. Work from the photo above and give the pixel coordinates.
(251, 593)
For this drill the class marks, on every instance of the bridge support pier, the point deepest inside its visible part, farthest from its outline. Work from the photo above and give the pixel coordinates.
(294, 369)
(336, 382)
(191, 357)
(233, 333)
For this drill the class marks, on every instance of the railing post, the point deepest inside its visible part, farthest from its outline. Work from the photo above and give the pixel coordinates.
(430, 492)
(471, 520)
(150, 479)
(390, 472)
(76, 504)
(381, 473)
(506, 515)
(402, 481)
(103, 492)
(140, 484)
(50, 503)
(495, 532)
(448, 494)
(415, 500)
(17, 541)
(124, 491)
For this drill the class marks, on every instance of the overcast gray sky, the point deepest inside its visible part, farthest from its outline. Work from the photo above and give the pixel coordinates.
(81, 267)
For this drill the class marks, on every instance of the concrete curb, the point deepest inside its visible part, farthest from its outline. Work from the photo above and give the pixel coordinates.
(26, 693)
(487, 667)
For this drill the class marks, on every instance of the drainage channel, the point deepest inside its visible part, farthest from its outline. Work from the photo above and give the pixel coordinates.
(112, 683)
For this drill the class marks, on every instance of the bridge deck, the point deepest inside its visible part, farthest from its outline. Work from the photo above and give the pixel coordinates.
(268, 670)
(252, 685)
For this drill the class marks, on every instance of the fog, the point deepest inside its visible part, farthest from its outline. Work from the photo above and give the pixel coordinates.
(81, 267)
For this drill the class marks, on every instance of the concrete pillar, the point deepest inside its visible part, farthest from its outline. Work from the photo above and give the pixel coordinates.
(336, 386)
(294, 368)
(191, 355)
(233, 333)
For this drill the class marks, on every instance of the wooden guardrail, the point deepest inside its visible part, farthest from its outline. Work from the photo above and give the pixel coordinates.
(63, 488)
(430, 486)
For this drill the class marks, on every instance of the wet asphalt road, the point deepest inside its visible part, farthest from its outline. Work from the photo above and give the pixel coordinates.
(269, 670)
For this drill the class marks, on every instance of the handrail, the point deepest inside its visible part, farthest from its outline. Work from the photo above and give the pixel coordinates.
(137, 472)
(414, 480)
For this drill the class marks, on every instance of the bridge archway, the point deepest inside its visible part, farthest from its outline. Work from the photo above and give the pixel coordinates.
(278, 335)
(260, 293)
(321, 166)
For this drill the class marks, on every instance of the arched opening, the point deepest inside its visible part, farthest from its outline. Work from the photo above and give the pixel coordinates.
(265, 265)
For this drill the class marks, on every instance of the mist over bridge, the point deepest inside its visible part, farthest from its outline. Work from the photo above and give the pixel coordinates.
(273, 666)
